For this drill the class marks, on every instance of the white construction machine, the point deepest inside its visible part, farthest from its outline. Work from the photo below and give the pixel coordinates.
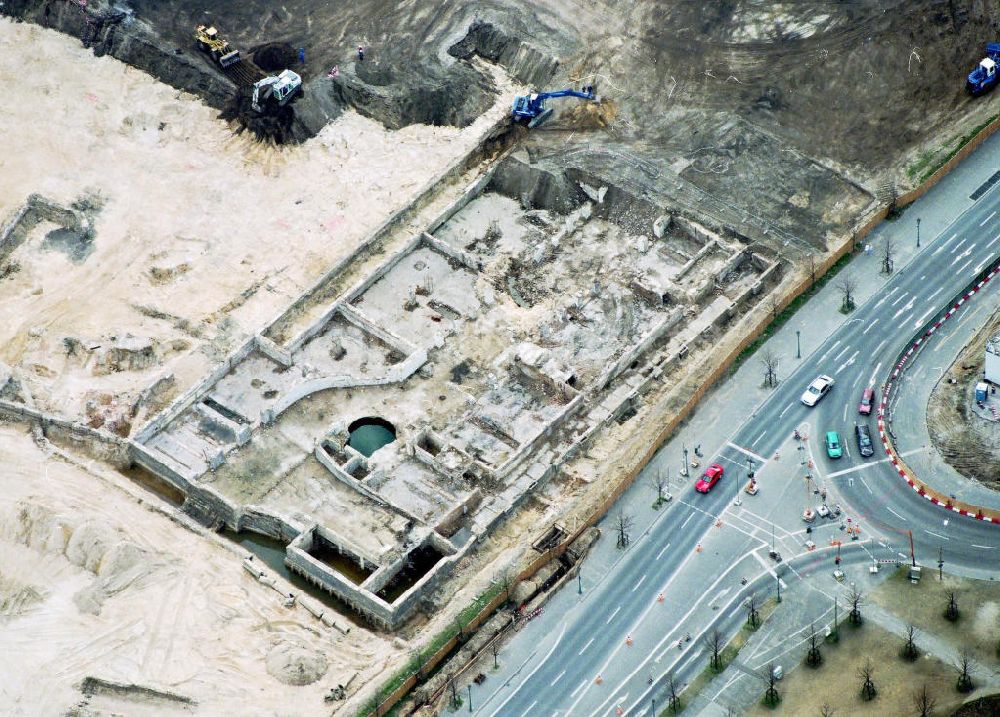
(275, 90)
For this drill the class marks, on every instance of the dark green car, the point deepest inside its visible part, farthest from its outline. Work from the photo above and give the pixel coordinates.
(833, 447)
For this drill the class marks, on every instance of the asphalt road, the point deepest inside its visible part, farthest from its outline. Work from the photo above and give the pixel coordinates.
(582, 665)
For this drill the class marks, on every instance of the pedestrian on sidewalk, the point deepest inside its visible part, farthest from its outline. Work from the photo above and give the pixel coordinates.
(361, 53)
(302, 55)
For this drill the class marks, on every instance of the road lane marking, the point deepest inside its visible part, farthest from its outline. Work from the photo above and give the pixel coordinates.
(961, 256)
(879, 347)
(530, 707)
(871, 381)
(662, 551)
(584, 683)
(823, 357)
(960, 244)
(870, 327)
(994, 241)
(992, 214)
(855, 469)
(842, 352)
(762, 434)
(686, 521)
(866, 485)
(898, 299)
(785, 410)
(589, 643)
(848, 362)
(935, 293)
(984, 547)
(767, 567)
(953, 237)
(845, 411)
(909, 305)
(745, 452)
(556, 680)
(936, 535)
(920, 322)
(613, 615)
(643, 578)
(895, 514)
(979, 267)
(886, 297)
(964, 266)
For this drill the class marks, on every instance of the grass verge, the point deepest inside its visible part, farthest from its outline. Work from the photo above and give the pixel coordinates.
(782, 318)
(439, 641)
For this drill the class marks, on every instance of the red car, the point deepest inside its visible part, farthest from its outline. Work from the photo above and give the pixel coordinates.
(867, 396)
(712, 475)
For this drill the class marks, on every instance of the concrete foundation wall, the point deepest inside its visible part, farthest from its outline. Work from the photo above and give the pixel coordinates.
(273, 351)
(395, 374)
(640, 349)
(195, 393)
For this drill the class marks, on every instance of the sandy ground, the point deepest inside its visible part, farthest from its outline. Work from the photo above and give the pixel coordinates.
(236, 229)
(804, 691)
(94, 584)
(968, 442)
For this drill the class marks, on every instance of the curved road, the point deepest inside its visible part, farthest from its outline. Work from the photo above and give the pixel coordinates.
(595, 656)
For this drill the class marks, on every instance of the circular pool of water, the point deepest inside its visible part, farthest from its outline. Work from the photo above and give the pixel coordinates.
(367, 435)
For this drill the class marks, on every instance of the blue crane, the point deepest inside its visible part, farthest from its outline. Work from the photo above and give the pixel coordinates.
(532, 108)
(984, 77)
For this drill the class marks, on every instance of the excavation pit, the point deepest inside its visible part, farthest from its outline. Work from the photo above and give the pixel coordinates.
(418, 563)
(367, 435)
(357, 571)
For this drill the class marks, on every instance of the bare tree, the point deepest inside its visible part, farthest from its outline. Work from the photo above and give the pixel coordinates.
(659, 482)
(623, 524)
(673, 701)
(812, 270)
(770, 363)
(865, 673)
(964, 683)
(847, 287)
(814, 658)
(771, 695)
(496, 651)
(924, 702)
(825, 710)
(753, 612)
(713, 645)
(888, 262)
(910, 651)
(856, 599)
(774, 305)
(951, 611)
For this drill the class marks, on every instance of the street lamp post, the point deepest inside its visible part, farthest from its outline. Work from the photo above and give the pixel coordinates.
(579, 582)
(798, 344)
(470, 698)
(918, 232)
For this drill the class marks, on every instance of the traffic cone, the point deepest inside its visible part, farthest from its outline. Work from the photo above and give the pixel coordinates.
(659, 598)
(718, 523)
(628, 640)
(697, 548)
(599, 680)
(619, 710)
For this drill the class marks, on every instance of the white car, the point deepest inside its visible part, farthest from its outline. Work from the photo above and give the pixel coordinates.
(820, 386)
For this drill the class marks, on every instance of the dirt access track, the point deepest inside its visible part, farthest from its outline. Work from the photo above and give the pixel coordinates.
(154, 240)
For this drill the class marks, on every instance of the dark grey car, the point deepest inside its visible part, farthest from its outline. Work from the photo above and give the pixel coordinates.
(864, 441)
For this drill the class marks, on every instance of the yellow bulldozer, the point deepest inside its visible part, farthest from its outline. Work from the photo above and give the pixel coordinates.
(220, 50)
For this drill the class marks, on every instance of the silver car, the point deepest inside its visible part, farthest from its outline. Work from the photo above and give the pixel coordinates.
(820, 386)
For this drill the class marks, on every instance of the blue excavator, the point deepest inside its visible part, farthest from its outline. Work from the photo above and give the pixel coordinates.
(984, 77)
(531, 109)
